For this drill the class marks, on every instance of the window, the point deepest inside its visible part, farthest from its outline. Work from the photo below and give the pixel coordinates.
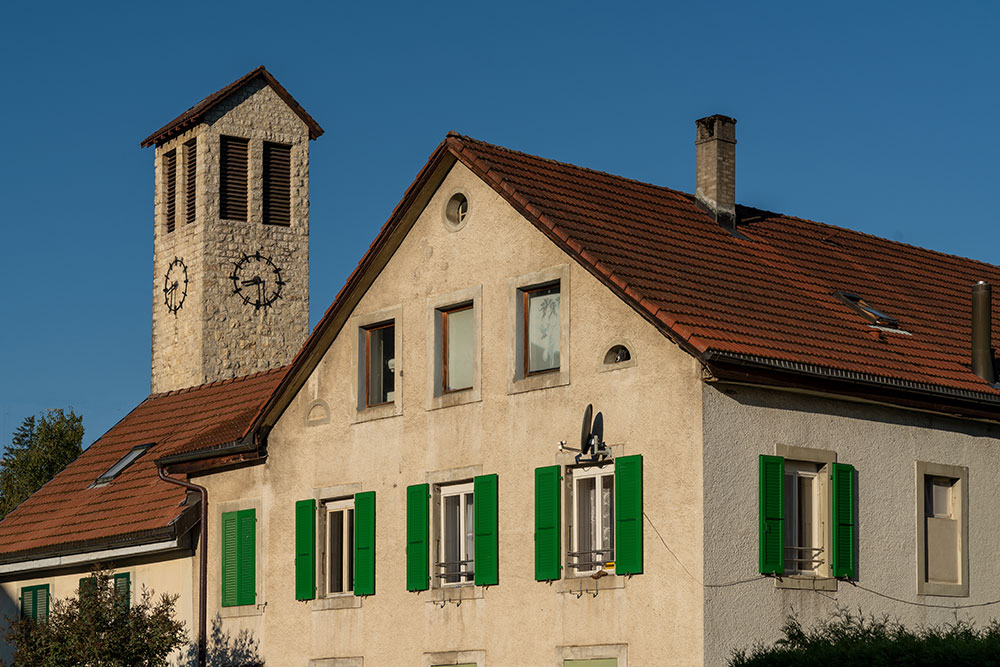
(277, 184)
(35, 602)
(457, 348)
(239, 557)
(538, 317)
(457, 548)
(942, 530)
(466, 541)
(190, 180)
(233, 178)
(170, 188)
(807, 517)
(803, 537)
(593, 545)
(541, 319)
(866, 310)
(122, 463)
(339, 546)
(380, 364)
(456, 211)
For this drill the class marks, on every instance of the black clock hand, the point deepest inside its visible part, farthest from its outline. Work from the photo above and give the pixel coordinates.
(253, 281)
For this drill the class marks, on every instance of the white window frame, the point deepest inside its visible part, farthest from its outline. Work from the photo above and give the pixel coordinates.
(576, 476)
(329, 508)
(467, 570)
(796, 547)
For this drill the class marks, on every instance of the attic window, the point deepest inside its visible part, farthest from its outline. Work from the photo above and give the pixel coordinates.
(123, 463)
(867, 311)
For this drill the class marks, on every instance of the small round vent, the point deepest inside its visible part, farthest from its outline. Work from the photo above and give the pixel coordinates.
(456, 211)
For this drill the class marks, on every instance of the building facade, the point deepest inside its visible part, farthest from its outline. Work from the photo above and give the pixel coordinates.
(778, 416)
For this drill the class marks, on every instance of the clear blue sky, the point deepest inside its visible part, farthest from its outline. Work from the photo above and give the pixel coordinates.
(877, 119)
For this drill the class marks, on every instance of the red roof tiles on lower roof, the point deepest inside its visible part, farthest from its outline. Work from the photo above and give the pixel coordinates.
(67, 511)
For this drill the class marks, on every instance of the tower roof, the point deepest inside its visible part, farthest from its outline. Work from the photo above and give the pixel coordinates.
(197, 113)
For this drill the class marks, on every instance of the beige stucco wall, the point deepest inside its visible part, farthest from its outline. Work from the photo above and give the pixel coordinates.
(173, 574)
(883, 444)
(215, 335)
(651, 408)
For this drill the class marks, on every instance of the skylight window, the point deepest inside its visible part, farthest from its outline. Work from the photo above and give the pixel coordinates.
(123, 463)
(866, 310)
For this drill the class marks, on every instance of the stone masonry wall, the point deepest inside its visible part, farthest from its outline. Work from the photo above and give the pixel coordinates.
(215, 335)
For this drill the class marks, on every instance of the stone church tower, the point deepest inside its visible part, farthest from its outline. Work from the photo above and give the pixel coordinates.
(231, 234)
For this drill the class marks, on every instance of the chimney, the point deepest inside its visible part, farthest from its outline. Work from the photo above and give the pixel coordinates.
(982, 331)
(716, 157)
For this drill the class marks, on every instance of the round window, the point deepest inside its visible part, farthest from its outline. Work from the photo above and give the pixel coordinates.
(457, 210)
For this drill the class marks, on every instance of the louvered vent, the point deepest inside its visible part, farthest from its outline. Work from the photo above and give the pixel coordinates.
(233, 179)
(190, 184)
(277, 184)
(170, 187)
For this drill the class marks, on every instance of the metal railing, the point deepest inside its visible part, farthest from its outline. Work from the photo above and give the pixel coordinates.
(596, 559)
(455, 571)
(814, 552)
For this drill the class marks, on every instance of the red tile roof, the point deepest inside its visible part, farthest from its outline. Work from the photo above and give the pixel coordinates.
(765, 300)
(195, 114)
(136, 506)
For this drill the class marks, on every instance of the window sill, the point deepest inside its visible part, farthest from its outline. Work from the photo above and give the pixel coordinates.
(452, 594)
(587, 584)
(942, 589)
(238, 611)
(452, 398)
(377, 412)
(337, 601)
(540, 381)
(800, 582)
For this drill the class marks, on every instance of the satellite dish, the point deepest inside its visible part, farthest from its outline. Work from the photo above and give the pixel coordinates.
(597, 433)
(588, 416)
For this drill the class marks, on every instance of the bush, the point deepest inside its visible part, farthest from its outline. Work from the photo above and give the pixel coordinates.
(99, 627)
(856, 639)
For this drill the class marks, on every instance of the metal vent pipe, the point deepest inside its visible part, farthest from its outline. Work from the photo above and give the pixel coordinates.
(982, 331)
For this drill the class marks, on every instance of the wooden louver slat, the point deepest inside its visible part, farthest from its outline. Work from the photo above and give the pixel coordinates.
(233, 179)
(277, 184)
(190, 183)
(170, 187)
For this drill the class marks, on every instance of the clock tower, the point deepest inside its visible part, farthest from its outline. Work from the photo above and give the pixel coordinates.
(231, 235)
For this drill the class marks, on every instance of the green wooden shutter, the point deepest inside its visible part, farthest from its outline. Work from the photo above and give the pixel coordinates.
(305, 549)
(486, 507)
(844, 530)
(364, 543)
(230, 549)
(42, 603)
(548, 529)
(123, 587)
(772, 514)
(246, 580)
(28, 602)
(418, 538)
(628, 514)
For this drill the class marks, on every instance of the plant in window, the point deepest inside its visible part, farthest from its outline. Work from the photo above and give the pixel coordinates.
(542, 329)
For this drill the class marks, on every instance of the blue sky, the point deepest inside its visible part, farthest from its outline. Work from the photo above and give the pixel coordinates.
(856, 114)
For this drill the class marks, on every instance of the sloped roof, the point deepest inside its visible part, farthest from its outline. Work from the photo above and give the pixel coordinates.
(195, 114)
(765, 301)
(136, 506)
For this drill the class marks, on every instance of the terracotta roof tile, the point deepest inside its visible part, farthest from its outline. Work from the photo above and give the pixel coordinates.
(67, 510)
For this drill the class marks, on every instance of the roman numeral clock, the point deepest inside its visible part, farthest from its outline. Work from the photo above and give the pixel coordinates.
(257, 280)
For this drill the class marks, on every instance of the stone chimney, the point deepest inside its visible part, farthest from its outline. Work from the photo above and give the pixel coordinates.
(716, 158)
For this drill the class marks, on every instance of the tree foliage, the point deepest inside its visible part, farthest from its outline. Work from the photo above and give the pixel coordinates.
(99, 628)
(40, 447)
(876, 641)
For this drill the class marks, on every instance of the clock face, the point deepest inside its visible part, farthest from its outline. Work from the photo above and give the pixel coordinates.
(257, 280)
(175, 285)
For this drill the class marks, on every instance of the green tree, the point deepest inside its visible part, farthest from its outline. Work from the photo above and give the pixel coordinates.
(875, 641)
(40, 448)
(99, 627)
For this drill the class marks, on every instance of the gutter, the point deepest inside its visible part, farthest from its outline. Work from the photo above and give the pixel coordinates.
(203, 561)
(234, 447)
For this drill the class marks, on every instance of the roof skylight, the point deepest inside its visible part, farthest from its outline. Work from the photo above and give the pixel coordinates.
(123, 463)
(866, 310)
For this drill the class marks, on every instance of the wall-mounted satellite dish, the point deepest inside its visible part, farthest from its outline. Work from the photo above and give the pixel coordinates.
(592, 445)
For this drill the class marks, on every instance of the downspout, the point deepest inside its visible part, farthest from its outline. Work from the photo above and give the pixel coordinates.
(203, 566)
